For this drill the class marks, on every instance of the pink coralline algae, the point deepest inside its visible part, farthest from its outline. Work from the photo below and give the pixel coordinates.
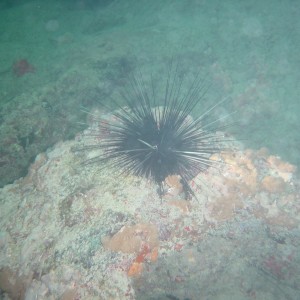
(280, 268)
(21, 67)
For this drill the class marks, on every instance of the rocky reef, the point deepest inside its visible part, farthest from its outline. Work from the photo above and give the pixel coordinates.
(73, 232)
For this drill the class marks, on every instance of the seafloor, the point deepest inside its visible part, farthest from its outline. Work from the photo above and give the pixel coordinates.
(72, 232)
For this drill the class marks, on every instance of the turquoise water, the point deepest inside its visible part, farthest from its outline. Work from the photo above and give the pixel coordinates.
(77, 48)
(58, 56)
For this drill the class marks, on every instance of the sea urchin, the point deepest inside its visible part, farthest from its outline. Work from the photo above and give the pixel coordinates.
(154, 141)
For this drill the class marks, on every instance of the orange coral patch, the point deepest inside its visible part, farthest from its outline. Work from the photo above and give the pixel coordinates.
(141, 257)
(273, 184)
(284, 220)
(154, 254)
(175, 185)
(135, 269)
(224, 208)
(130, 239)
(280, 165)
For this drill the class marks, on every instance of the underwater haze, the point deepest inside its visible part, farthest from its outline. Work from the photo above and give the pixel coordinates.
(74, 232)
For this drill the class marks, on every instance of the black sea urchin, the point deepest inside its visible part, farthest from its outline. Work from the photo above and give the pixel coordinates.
(154, 141)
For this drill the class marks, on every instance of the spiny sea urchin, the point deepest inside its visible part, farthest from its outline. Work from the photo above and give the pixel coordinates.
(154, 141)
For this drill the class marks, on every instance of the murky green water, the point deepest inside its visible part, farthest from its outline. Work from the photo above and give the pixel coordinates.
(58, 56)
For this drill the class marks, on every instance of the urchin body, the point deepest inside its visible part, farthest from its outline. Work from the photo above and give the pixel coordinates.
(152, 145)
(159, 141)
